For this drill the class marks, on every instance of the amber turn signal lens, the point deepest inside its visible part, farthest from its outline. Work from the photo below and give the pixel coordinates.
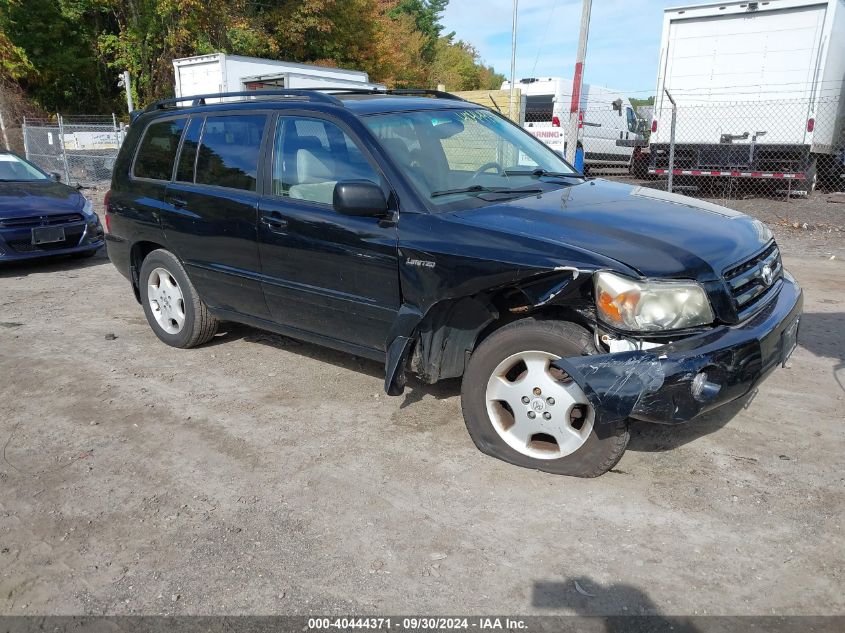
(608, 307)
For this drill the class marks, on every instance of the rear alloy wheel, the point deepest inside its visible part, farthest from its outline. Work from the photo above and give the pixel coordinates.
(172, 306)
(519, 408)
(166, 301)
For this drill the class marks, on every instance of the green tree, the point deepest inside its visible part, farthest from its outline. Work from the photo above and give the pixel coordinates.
(49, 47)
(71, 60)
(426, 15)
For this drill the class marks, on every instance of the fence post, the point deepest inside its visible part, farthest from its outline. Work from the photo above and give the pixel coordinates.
(116, 129)
(62, 148)
(671, 139)
(24, 131)
(3, 128)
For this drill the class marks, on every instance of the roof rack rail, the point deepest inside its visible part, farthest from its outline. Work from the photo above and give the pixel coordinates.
(439, 94)
(322, 95)
(197, 100)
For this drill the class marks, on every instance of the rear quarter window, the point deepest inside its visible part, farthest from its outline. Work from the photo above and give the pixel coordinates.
(158, 150)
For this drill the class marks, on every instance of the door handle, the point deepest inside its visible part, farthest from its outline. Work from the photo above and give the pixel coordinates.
(177, 202)
(274, 221)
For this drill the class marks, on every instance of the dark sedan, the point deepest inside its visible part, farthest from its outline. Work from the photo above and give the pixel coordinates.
(40, 216)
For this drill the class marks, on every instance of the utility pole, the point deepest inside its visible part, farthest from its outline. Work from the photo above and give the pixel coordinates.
(575, 105)
(512, 112)
(126, 82)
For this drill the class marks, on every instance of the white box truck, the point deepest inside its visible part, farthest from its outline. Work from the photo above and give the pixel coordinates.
(219, 72)
(606, 118)
(759, 90)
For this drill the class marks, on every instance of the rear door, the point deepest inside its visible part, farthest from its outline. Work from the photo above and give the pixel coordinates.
(333, 275)
(137, 203)
(213, 202)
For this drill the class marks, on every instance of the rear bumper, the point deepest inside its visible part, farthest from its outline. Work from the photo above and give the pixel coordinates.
(659, 385)
(15, 244)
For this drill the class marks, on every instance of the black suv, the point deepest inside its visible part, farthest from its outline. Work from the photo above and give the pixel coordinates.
(435, 236)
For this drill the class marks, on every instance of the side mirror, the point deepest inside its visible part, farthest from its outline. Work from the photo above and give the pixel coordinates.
(359, 198)
(617, 105)
(56, 176)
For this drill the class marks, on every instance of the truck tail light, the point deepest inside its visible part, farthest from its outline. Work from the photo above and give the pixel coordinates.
(107, 217)
(654, 126)
(811, 124)
(555, 121)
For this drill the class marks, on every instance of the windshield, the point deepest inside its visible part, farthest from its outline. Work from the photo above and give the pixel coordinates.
(465, 158)
(16, 169)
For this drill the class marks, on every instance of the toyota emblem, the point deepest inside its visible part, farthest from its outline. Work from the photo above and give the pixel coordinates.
(767, 275)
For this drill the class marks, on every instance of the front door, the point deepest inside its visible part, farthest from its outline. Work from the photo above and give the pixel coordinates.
(212, 210)
(326, 273)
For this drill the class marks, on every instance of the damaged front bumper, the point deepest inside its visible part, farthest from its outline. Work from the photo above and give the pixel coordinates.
(676, 382)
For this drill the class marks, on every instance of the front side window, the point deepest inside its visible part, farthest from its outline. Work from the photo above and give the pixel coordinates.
(310, 156)
(462, 158)
(228, 151)
(158, 150)
(14, 169)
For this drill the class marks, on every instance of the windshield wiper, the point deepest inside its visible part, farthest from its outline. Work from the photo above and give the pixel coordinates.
(482, 189)
(538, 173)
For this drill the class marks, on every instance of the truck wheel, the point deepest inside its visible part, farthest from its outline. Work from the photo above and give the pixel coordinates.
(171, 304)
(521, 410)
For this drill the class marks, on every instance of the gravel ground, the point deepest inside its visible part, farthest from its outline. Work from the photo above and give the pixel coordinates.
(259, 475)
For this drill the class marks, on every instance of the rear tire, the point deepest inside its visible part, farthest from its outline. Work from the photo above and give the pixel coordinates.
(171, 304)
(503, 406)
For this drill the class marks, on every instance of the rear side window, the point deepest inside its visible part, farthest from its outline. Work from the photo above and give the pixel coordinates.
(228, 153)
(158, 150)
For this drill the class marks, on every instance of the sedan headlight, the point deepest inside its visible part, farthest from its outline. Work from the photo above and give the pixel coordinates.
(87, 208)
(650, 305)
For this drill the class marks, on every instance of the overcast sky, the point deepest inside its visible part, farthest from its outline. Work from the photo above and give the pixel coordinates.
(622, 50)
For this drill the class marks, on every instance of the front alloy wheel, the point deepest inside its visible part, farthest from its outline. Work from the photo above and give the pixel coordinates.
(521, 409)
(537, 409)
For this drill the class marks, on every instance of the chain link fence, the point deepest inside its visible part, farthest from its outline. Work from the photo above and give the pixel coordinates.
(717, 150)
(81, 149)
(749, 149)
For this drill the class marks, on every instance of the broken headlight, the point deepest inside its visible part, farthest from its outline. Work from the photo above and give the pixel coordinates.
(650, 305)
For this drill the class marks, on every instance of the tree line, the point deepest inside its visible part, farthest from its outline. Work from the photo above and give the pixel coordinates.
(66, 55)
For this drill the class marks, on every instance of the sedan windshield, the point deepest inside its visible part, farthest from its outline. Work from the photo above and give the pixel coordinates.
(16, 169)
(462, 158)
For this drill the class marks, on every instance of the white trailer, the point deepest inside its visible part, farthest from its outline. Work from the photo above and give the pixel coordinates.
(219, 72)
(758, 87)
(607, 117)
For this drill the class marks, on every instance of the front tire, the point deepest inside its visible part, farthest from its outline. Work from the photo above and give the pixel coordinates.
(519, 409)
(172, 306)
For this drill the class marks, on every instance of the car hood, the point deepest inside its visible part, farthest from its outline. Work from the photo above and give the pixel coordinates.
(42, 197)
(656, 233)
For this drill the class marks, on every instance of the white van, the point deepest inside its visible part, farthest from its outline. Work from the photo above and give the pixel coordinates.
(606, 117)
